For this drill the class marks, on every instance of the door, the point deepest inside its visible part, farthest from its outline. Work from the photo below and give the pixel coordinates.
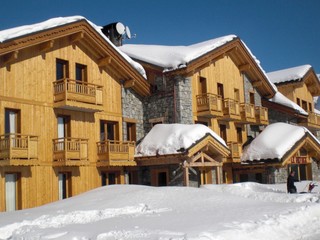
(12, 124)
(64, 184)
(202, 85)
(108, 131)
(63, 131)
(11, 191)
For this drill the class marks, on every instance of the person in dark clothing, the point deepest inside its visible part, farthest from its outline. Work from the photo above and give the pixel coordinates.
(290, 183)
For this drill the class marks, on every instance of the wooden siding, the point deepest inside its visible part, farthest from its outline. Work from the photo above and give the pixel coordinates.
(27, 86)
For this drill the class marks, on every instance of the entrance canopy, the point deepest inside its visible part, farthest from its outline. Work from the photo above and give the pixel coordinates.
(194, 144)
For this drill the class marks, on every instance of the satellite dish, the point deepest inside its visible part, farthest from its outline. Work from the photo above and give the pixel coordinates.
(120, 28)
(128, 32)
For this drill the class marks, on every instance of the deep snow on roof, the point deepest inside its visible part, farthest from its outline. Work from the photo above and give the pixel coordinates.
(12, 33)
(274, 141)
(173, 57)
(289, 74)
(283, 100)
(169, 138)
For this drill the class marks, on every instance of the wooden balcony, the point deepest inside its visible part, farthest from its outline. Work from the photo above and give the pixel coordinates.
(77, 95)
(18, 150)
(235, 151)
(209, 105)
(261, 114)
(70, 152)
(231, 109)
(312, 122)
(115, 153)
(247, 113)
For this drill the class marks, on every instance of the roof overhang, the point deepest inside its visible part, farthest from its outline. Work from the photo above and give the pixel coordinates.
(284, 109)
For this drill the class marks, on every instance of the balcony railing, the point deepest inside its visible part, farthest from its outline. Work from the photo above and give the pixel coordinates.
(19, 147)
(312, 122)
(247, 113)
(231, 109)
(235, 151)
(261, 115)
(209, 104)
(70, 152)
(78, 94)
(116, 153)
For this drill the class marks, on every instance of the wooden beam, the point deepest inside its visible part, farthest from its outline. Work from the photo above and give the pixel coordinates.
(129, 83)
(257, 83)
(46, 46)
(10, 57)
(104, 61)
(76, 37)
(186, 176)
(244, 67)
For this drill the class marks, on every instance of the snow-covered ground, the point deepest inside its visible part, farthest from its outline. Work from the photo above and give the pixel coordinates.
(234, 211)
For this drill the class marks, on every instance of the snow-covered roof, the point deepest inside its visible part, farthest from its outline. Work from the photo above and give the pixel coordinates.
(274, 141)
(173, 57)
(12, 33)
(176, 57)
(289, 74)
(283, 100)
(170, 138)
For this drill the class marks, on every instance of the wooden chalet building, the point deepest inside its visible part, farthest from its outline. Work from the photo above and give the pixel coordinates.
(75, 105)
(217, 83)
(61, 122)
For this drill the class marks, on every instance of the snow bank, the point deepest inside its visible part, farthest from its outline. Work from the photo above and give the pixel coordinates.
(170, 138)
(233, 211)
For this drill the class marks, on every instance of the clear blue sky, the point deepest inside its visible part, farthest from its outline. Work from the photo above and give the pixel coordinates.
(280, 33)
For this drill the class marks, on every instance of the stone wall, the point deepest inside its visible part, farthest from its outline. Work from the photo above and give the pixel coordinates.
(132, 107)
(171, 102)
(315, 171)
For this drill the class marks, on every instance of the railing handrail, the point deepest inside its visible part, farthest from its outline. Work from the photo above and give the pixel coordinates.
(17, 135)
(73, 81)
(71, 139)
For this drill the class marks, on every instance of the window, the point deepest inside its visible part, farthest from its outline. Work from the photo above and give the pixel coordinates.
(239, 134)
(304, 105)
(310, 107)
(298, 101)
(12, 121)
(64, 129)
(81, 72)
(220, 90)
(223, 132)
(251, 95)
(236, 95)
(108, 130)
(62, 69)
(131, 131)
(202, 85)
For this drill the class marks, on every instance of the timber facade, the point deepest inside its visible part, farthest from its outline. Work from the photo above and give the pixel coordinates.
(73, 109)
(61, 130)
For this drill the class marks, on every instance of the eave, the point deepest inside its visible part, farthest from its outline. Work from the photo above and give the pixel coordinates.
(283, 109)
